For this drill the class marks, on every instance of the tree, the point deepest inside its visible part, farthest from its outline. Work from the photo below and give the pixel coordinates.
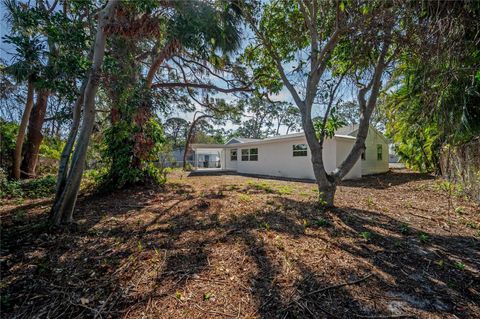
(196, 32)
(288, 116)
(176, 130)
(317, 50)
(134, 21)
(67, 187)
(434, 97)
(260, 114)
(217, 110)
(314, 36)
(24, 68)
(53, 58)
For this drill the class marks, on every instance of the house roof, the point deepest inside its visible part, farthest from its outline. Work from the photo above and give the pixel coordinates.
(351, 129)
(292, 136)
(347, 129)
(236, 140)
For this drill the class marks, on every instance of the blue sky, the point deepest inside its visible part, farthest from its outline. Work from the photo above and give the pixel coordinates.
(283, 95)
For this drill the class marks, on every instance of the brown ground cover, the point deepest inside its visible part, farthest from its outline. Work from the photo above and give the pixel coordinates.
(397, 245)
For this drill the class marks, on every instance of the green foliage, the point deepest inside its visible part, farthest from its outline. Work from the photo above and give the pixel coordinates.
(404, 229)
(133, 141)
(207, 296)
(333, 123)
(32, 188)
(423, 238)
(285, 190)
(206, 27)
(51, 148)
(459, 265)
(93, 178)
(49, 155)
(263, 186)
(245, 197)
(322, 222)
(39, 187)
(122, 153)
(49, 46)
(434, 101)
(8, 136)
(9, 189)
(366, 235)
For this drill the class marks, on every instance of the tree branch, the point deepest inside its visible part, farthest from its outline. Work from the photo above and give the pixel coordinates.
(202, 86)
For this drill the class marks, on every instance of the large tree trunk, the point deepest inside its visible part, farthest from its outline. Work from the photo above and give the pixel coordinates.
(17, 155)
(62, 210)
(326, 187)
(34, 135)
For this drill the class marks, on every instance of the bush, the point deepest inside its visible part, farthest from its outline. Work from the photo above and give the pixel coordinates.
(92, 179)
(9, 188)
(39, 187)
(8, 139)
(33, 188)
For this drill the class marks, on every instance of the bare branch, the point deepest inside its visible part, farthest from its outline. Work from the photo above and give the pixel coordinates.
(202, 86)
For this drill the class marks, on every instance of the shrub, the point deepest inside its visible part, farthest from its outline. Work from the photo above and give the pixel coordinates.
(8, 136)
(8, 188)
(33, 188)
(39, 187)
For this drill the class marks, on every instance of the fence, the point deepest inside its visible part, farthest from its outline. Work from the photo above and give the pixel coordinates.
(461, 164)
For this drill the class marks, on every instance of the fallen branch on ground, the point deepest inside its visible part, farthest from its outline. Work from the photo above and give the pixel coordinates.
(336, 286)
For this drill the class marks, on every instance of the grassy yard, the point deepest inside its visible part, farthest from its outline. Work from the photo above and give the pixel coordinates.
(397, 245)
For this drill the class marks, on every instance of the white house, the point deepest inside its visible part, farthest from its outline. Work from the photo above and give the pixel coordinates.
(288, 155)
(376, 156)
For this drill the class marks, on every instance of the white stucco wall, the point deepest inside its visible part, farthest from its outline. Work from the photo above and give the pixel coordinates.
(275, 158)
(371, 165)
(343, 148)
(231, 165)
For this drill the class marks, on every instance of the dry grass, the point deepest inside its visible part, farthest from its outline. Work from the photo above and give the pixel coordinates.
(239, 247)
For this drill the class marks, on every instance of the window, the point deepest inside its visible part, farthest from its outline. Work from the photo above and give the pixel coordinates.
(233, 155)
(250, 154)
(254, 154)
(379, 152)
(300, 150)
(363, 154)
(245, 155)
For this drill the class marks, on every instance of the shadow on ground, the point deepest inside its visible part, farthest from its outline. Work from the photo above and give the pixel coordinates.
(282, 258)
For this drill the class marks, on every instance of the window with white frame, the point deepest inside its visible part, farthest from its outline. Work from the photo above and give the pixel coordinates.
(250, 154)
(299, 150)
(233, 154)
(379, 152)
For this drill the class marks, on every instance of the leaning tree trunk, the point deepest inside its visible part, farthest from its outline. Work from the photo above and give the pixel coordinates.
(17, 155)
(67, 149)
(34, 135)
(62, 210)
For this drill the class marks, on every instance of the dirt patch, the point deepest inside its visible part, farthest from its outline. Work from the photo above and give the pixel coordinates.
(240, 247)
